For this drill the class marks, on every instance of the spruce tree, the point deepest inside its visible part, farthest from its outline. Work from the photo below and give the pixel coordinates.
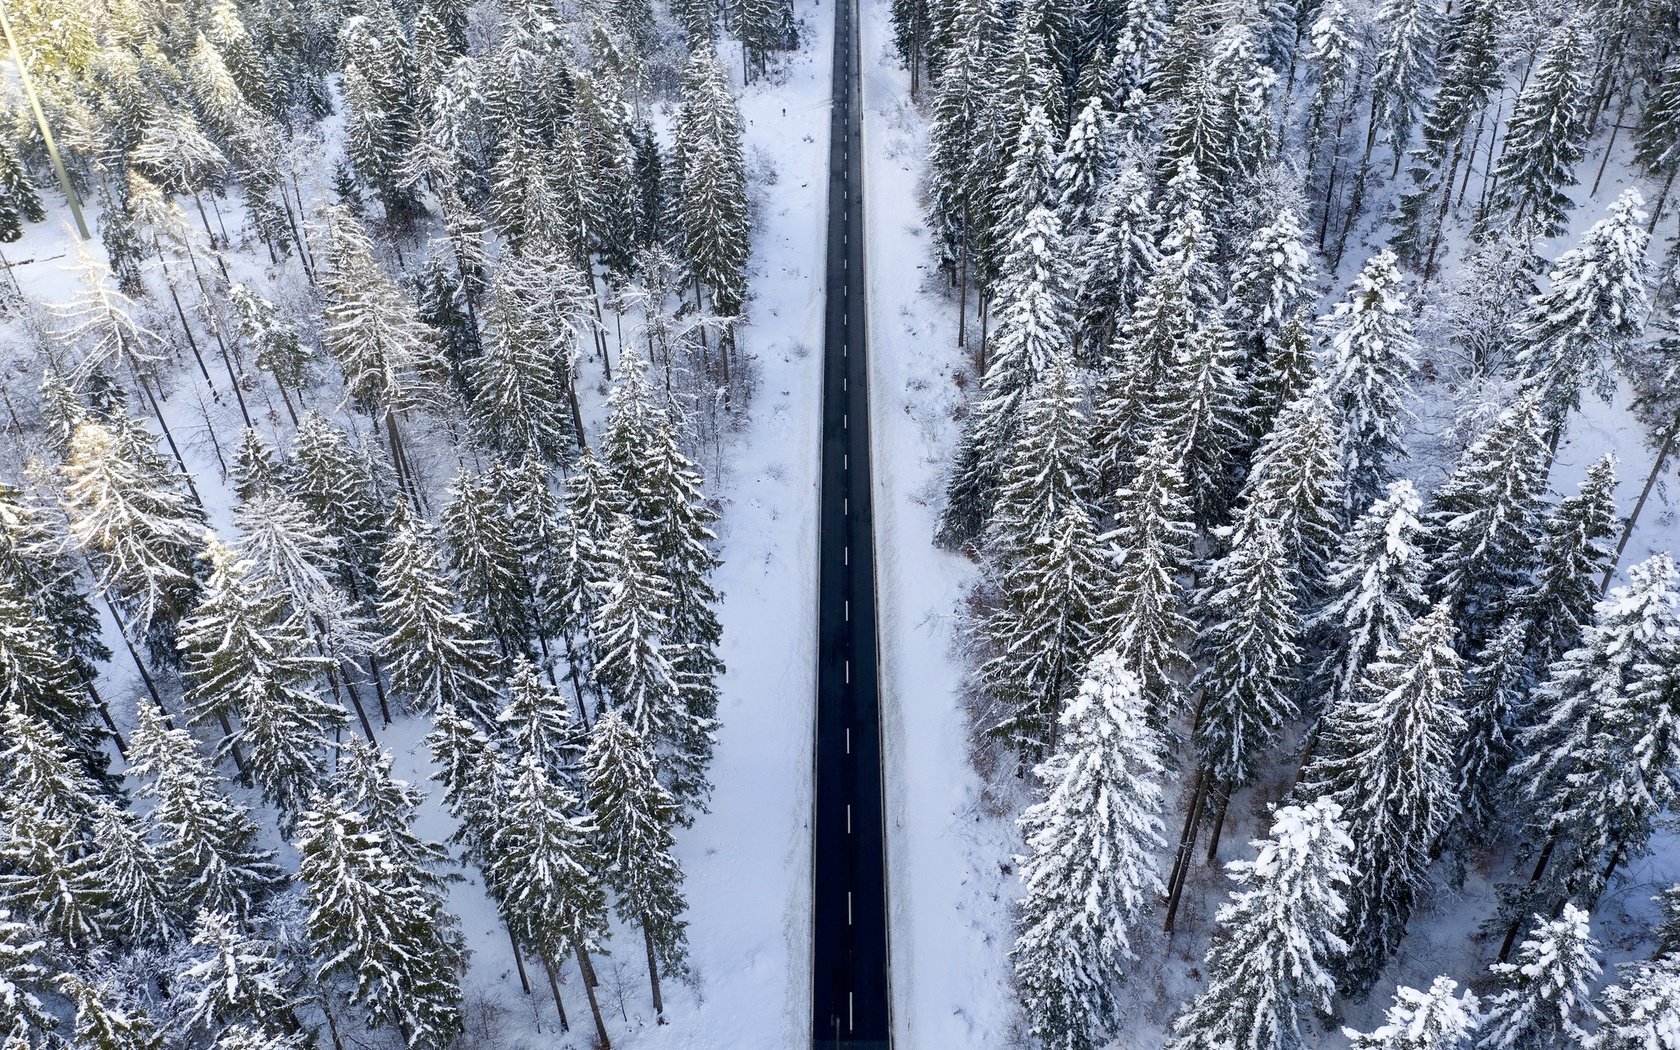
(1547, 134)
(1272, 280)
(1641, 1011)
(1572, 550)
(1544, 998)
(1280, 937)
(138, 895)
(1388, 756)
(538, 723)
(378, 927)
(1093, 840)
(105, 1021)
(1594, 306)
(1118, 258)
(36, 678)
(19, 203)
(485, 560)
(1437, 1019)
(336, 482)
(435, 654)
(519, 405)
(1368, 370)
(632, 815)
(1249, 649)
(230, 976)
(1496, 688)
(1480, 528)
(1375, 589)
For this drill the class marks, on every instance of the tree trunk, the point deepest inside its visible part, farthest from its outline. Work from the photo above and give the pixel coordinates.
(594, 1004)
(519, 964)
(1218, 828)
(554, 989)
(1639, 504)
(653, 972)
(1533, 877)
(1186, 843)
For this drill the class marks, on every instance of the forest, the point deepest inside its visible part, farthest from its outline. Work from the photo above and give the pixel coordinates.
(378, 391)
(1280, 329)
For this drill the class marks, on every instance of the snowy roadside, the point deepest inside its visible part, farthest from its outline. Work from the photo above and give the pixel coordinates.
(950, 898)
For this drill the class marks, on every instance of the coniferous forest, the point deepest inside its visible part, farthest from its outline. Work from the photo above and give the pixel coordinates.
(410, 403)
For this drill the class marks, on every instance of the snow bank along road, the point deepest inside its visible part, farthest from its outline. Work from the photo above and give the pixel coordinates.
(849, 996)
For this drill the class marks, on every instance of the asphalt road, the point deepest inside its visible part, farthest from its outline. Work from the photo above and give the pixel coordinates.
(850, 1001)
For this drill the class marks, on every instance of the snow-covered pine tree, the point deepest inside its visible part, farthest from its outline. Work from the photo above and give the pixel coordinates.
(139, 529)
(1403, 66)
(365, 783)
(1544, 998)
(136, 890)
(1594, 305)
(107, 1018)
(1272, 281)
(338, 485)
(1547, 133)
(711, 194)
(378, 927)
(1296, 481)
(536, 722)
(27, 979)
(1034, 327)
(1603, 746)
(209, 843)
(1437, 1019)
(1369, 363)
(1118, 259)
(520, 401)
(19, 202)
(486, 567)
(1029, 179)
(1656, 149)
(1481, 525)
(1280, 937)
(1046, 472)
(1388, 756)
(1641, 1011)
(632, 816)
(435, 654)
(1090, 872)
(38, 560)
(1149, 547)
(44, 686)
(1572, 551)
(546, 874)
(1084, 165)
(1496, 689)
(1202, 413)
(1375, 590)
(228, 976)
(1249, 651)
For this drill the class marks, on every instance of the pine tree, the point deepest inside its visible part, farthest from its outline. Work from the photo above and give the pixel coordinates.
(473, 773)
(339, 487)
(1496, 691)
(1084, 165)
(711, 184)
(1118, 258)
(1544, 997)
(1280, 937)
(136, 888)
(1046, 474)
(537, 723)
(1271, 282)
(44, 686)
(104, 1021)
(1594, 305)
(1375, 589)
(38, 560)
(1656, 149)
(1387, 756)
(632, 815)
(1149, 547)
(1572, 558)
(1546, 135)
(365, 783)
(209, 843)
(1202, 413)
(1249, 652)
(1369, 367)
(519, 403)
(376, 924)
(1034, 328)
(544, 870)
(140, 530)
(1404, 64)
(1641, 1011)
(1481, 525)
(435, 654)
(484, 561)
(25, 981)
(1603, 748)
(229, 976)
(1029, 178)
(1437, 1019)
(19, 202)
(1093, 840)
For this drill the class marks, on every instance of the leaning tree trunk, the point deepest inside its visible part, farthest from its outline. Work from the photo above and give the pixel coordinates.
(653, 971)
(594, 1003)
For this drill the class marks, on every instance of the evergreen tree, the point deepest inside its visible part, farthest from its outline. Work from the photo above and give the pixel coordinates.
(38, 560)
(364, 782)
(1084, 165)
(537, 723)
(1544, 997)
(209, 843)
(1572, 558)
(1403, 66)
(44, 686)
(1496, 691)
(1203, 414)
(105, 1022)
(711, 184)
(19, 202)
(1034, 328)
(136, 888)
(1436, 1019)
(378, 926)
(1249, 651)
(473, 775)
(1118, 258)
(485, 560)
(1271, 282)
(229, 976)
(1149, 547)
(435, 654)
(1594, 305)
(1368, 369)
(1481, 524)
(1547, 133)
(519, 403)
(1093, 840)
(1387, 756)
(1375, 589)
(337, 484)
(139, 529)
(1280, 937)
(1641, 1011)
(632, 815)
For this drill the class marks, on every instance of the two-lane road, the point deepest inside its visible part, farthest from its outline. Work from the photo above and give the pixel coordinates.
(849, 968)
